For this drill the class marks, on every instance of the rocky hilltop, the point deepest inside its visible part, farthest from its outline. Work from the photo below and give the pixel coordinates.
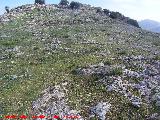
(82, 8)
(79, 62)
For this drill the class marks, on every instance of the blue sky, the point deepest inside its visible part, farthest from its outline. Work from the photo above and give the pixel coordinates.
(136, 9)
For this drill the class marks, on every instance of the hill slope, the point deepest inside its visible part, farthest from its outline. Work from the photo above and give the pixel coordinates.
(150, 25)
(62, 61)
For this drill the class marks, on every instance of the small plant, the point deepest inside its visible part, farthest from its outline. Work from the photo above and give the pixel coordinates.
(116, 15)
(123, 52)
(116, 71)
(106, 11)
(7, 9)
(156, 57)
(113, 15)
(64, 3)
(133, 22)
(99, 10)
(156, 43)
(94, 118)
(40, 2)
(107, 62)
(75, 5)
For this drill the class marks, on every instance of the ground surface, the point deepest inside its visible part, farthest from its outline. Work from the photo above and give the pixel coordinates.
(46, 47)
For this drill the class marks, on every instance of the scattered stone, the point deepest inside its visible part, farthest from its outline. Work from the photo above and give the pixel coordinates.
(158, 103)
(130, 73)
(14, 77)
(154, 116)
(151, 71)
(99, 69)
(100, 110)
(136, 101)
(54, 102)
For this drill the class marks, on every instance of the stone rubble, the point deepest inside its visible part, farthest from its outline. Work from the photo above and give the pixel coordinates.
(121, 86)
(100, 110)
(99, 69)
(54, 102)
(148, 86)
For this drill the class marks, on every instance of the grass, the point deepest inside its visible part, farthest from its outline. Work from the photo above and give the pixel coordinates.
(156, 57)
(156, 43)
(116, 71)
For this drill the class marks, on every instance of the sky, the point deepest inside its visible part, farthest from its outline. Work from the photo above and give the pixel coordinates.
(136, 9)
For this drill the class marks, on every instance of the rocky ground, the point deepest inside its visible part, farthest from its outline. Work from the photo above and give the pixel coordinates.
(77, 62)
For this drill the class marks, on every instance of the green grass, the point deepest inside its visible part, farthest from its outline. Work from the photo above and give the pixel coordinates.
(10, 43)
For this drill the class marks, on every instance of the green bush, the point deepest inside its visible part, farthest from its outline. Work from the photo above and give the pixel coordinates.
(116, 15)
(40, 2)
(7, 9)
(116, 71)
(106, 11)
(107, 62)
(64, 2)
(123, 52)
(113, 15)
(75, 5)
(99, 9)
(156, 57)
(133, 22)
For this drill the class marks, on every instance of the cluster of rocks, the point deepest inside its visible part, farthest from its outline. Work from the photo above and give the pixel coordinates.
(148, 85)
(11, 77)
(53, 101)
(16, 50)
(90, 42)
(87, 9)
(116, 84)
(22, 10)
(25, 74)
(121, 86)
(99, 69)
(100, 110)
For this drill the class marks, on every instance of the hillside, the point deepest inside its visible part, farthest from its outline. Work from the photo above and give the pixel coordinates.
(150, 25)
(58, 61)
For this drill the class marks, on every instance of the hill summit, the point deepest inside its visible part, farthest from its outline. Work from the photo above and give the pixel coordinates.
(81, 8)
(77, 62)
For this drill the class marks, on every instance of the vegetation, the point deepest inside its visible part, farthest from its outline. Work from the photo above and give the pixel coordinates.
(98, 10)
(64, 2)
(40, 2)
(106, 11)
(7, 9)
(116, 15)
(113, 15)
(133, 22)
(75, 5)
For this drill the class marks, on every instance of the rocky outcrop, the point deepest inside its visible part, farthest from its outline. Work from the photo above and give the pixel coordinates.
(53, 102)
(100, 110)
(74, 5)
(148, 85)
